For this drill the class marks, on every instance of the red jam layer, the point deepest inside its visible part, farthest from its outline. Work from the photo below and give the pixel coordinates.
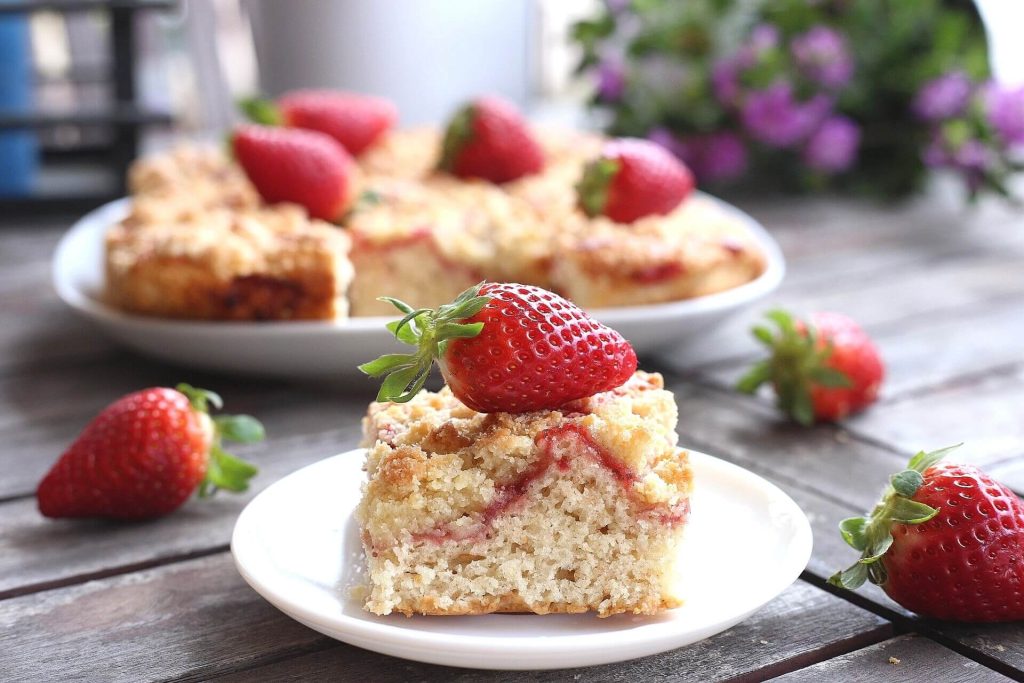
(556, 445)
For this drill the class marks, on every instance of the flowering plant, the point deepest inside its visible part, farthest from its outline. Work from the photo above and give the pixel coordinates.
(863, 95)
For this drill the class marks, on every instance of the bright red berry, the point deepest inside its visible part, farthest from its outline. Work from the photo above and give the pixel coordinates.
(145, 454)
(946, 542)
(300, 166)
(631, 179)
(824, 369)
(506, 348)
(489, 139)
(356, 121)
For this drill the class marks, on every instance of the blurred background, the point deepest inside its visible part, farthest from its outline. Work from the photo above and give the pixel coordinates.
(87, 85)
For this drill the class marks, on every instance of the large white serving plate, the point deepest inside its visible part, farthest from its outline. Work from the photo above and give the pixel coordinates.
(335, 348)
(297, 544)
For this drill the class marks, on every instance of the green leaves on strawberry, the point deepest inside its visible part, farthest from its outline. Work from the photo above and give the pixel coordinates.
(429, 331)
(872, 535)
(822, 369)
(224, 470)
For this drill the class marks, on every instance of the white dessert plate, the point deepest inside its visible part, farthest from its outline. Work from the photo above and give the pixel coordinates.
(334, 348)
(297, 543)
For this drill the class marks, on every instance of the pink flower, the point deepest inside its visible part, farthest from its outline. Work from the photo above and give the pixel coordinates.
(944, 97)
(774, 117)
(833, 147)
(1005, 109)
(718, 157)
(611, 80)
(823, 56)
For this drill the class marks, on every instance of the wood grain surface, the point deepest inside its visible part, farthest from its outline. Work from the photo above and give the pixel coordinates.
(940, 288)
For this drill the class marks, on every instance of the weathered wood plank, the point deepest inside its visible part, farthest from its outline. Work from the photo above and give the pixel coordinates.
(37, 553)
(196, 619)
(821, 459)
(908, 659)
(41, 413)
(984, 415)
(893, 300)
(929, 352)
(191, 619)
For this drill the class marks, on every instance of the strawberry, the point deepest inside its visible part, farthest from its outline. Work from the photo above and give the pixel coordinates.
(946, 541)
(145, 454)
(300, 166)
(488, 139)
(356, 121)
(825, 369)
(505, 348)
(633, 178)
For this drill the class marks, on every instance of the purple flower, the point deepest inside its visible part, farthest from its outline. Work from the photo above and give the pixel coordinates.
(720, 157)
(725, 74)
(943, 97)
(774, 117)
(664, 137)
(763, 37)
(1005, 109)
(833, 147)
(725, 81)
(823, 56)
(611, 80)
(618, 6)
(971, 158)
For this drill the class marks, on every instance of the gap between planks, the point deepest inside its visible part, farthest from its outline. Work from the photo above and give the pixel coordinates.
(904, 625)
(119, 570)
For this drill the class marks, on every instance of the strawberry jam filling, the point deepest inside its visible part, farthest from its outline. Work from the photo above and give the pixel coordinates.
(557, 446)
(657, 273)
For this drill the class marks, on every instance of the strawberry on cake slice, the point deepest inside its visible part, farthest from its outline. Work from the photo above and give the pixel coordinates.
(641, 236)
(544, 478)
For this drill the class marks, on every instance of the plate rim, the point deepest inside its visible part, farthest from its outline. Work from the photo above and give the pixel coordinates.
(597, 648)
(104, 215)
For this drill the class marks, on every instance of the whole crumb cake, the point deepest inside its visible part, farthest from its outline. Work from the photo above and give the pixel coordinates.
(200, 243)
(270, 263)
(580, 509)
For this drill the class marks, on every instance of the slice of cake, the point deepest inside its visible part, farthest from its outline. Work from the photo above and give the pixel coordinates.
(695, 250)
(270, 263)
(426, 241)
(571, 510)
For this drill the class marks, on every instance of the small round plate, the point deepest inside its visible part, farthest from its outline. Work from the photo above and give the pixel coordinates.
(297, 543)
(321, 348)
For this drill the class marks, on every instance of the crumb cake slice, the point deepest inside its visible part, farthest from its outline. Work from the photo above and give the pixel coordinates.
(696, 250)
(424, 242)
(580, 509)
(271, 263)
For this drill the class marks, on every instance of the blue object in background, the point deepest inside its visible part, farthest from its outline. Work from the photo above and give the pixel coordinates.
(19, 158)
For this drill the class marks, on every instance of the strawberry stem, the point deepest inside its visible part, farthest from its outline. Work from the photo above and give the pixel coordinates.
(429, 330)
(224, 470)
(260, 110)
(872, 535)
(798, 362)
(592, 190)
(456, 136)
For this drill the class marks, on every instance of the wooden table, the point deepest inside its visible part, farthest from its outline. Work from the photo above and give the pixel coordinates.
(940, 287)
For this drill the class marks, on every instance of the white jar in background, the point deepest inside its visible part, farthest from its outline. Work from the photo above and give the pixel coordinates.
(425, 55)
